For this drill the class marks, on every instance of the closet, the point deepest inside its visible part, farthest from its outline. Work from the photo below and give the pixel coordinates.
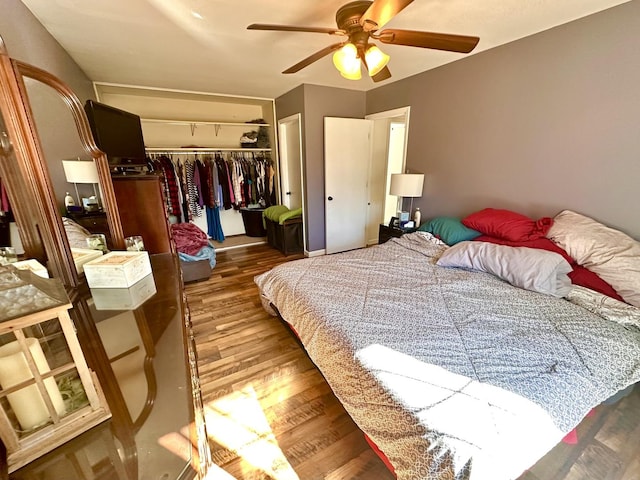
(188, 127)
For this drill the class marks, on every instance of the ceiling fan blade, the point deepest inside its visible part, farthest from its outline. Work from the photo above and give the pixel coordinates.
(312, 58)
(437, 41)
(382, 75)
(380, 12)
(294, 28)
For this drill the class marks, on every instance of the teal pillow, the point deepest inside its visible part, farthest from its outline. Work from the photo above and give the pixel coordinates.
(450, 230)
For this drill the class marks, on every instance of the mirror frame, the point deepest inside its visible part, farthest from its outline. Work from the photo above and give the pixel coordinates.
(29, 185)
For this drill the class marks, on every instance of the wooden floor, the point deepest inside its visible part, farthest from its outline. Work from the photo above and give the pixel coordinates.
(235, 241)
(271, 415)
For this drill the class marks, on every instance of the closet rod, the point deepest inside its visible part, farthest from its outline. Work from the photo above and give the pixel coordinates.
(196, 150)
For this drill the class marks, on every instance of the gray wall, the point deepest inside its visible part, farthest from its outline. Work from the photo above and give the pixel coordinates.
(323, 102)
(546, 123)
(27, 40)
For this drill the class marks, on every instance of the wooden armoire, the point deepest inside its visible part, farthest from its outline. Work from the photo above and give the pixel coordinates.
(143, 211)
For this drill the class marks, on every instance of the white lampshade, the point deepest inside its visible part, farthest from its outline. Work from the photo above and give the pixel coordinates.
(406, 184)
(80, 171)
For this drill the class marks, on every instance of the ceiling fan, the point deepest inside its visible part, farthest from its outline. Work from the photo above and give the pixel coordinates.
(360, 22)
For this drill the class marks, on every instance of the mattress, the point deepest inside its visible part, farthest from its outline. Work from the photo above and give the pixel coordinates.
(453, 373)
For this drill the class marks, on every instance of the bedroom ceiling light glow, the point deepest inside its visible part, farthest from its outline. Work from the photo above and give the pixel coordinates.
(348, 60)
(376, 60)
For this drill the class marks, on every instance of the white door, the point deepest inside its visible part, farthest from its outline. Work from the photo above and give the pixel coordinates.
(290, 161)
(347, 151)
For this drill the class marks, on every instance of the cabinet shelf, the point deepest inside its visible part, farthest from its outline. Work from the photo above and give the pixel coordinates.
(199, 122)
(192, 124)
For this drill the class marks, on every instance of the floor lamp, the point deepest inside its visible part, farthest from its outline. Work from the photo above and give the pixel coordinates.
(406, 185)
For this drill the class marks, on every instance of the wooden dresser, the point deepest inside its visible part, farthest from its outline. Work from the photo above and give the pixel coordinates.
(143, 210)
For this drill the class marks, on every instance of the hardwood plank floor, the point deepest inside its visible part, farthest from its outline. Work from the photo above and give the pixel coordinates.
(271, 415)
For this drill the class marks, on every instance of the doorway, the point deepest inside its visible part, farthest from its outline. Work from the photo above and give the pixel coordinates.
(291, 178)
(290, 141)
(389, 147)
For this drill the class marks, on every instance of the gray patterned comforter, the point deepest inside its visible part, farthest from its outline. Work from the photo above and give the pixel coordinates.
(454, 374)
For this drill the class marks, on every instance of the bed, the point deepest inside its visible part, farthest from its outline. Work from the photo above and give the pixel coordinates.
(453, 373)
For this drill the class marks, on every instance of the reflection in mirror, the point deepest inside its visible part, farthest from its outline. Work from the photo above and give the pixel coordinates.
(35, 105)
(74, 177)
(129, 346)
(113, 227)
(9, 234)
(58, 137)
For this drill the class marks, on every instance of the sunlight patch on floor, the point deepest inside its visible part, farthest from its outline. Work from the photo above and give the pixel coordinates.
(238, 422)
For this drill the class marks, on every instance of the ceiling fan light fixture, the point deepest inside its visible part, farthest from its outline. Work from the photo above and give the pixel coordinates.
(376, 60)
(355, 75)
(347, 62)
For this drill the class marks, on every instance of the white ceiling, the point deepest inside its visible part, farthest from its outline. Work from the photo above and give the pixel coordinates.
(203, 45)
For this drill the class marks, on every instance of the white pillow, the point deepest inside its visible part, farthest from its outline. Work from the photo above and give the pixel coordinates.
(529, 268)
(609, 253)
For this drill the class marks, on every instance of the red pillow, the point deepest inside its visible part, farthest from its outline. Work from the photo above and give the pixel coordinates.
(542, 243)
(586, 278)
(507, 225)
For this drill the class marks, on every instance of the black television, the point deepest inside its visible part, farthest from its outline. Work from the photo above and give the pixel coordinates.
(118, 134)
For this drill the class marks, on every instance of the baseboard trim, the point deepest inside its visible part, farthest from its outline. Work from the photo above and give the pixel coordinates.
(315, 253)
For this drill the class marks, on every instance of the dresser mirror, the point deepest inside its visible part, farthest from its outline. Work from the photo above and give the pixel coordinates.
(36, 108)
(154, 431)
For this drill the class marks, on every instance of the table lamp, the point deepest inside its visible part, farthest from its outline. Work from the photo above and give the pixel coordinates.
(406, 185)
(81, 171)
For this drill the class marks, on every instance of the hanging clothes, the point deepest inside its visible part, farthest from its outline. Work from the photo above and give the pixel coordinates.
(192, 178)
(183, 192)
(223, 181)
(173, 190)
(237, 179)
(214, 225)
(5, 207)
(232, 197)
(227, 180)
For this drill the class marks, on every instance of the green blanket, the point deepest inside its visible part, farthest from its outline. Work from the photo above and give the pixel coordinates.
(279, 213)
(273, 213)
(290, 214)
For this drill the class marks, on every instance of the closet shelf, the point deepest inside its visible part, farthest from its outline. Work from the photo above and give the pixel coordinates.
(203, 149)
(198, 122)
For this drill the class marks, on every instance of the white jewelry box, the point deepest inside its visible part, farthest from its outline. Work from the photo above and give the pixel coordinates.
(82, 256)
(124, 298)
(117, 269)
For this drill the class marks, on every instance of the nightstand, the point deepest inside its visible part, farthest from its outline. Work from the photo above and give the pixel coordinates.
(386, 232)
